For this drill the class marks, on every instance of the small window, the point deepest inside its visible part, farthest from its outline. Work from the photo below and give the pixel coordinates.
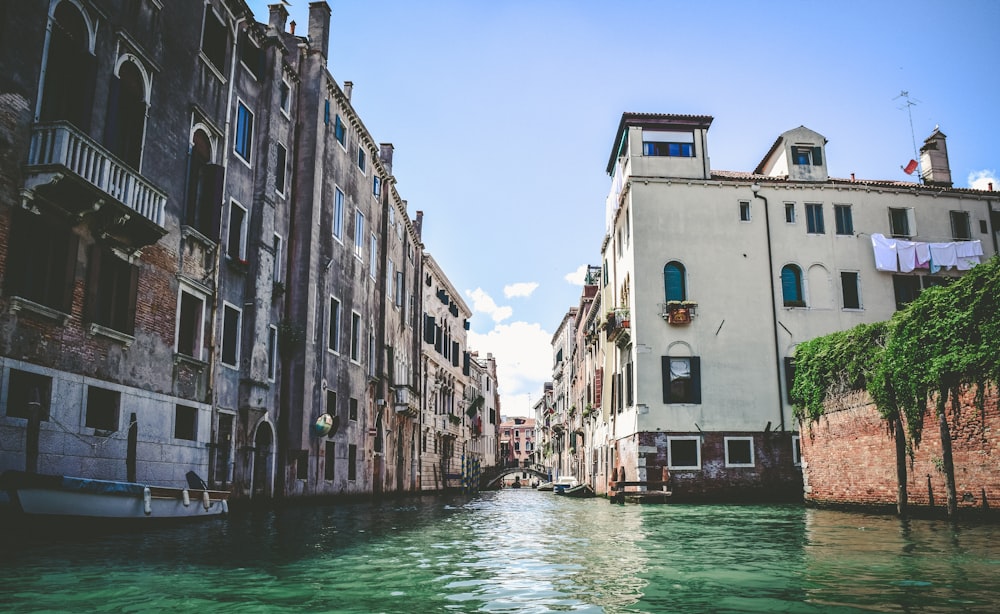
(901, 224)
(338, 214)
(377, 191)
(844, 219)
(355, 336)
(400, 291)
(681, 379)
(789, 213)
(371, 355)
(960, 229)
(684, 452)
(185, 422)
(41, 261)
(796, 451)
(243, 142)
(807, 156)
(25, 388)
(340, 131)
(330, 463)
(214, 39)
(984, 227)
(850, 285)
(814, 219)
(278, 246)
(739, 452)
(333, 334)
(102, 409)
(906, 288)
(326, 112)
(673, 144)
(285, 97)
(190, 325)
(361, 157)
(352, 462)
(236, 243)
(301, 464)
(280, 169)
(112, 288)
(791, 286)
(373, 256)
(359, 234)
(331, 402)
(251, 56)
(352, 409)
(272, 353)
(744, 211)
(231, 324)
(673, 282)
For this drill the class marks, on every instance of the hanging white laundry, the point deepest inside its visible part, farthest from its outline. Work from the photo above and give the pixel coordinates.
(923, 255)
(967, 262)
(885, 253)
(906, 251)
(968, 248)
(943, 256)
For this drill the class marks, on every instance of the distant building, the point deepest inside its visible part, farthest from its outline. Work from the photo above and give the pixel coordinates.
(517, 441)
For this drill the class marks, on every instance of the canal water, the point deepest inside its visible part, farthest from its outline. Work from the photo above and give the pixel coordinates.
(512, 551)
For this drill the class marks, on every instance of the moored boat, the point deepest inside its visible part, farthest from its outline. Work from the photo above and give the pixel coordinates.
(581, 491)
(544, 486)
(55, 496)
(567, 481)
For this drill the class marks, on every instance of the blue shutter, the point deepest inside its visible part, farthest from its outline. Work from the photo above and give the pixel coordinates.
(790, 284)
(673, 281)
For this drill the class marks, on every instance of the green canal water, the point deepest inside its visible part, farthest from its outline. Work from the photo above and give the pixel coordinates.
(512, 551)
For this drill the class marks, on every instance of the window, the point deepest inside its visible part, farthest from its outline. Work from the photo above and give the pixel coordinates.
(684, 452)
(377, 191)
(102, 409)
(280, 170)
(744, 211)
(789, 378)
(673, 281)
(190, 324)
(352, 409)
(333, 333)
(681, 379)
(204, 187)
(373, 256)
(400, 291)
(352, 462)
(272, 353)
(814, 219)
(284, 97)
(331, 403)
(906, 289)
(674, 144)
(361, 157)
(41, 260)
(214, 39)
(68, 86)
(355, 336)
(338, 214)
(330, 465)
(185, 422)
(243, 142)
(236, 243)
(791, 286)
(390, 273)
(789, 213)
(25, 388)
(960, 229)
(251, 56)
(112, 286)
(340, 131)
(371, 354)
(231, 324)
(326, 112)
(359, 234)
(278, 246)
(901, 223)
(851, 289)
(844, 219)
(301, 464)
(739, 451)
(807, 156)
(796, 451)
(126, 114)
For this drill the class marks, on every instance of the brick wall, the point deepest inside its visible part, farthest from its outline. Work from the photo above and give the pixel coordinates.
(849, 456)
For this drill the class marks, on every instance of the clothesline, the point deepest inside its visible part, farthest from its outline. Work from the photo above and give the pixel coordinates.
(900, 256)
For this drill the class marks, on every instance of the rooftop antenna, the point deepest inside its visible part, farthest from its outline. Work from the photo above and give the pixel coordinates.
(908, 105)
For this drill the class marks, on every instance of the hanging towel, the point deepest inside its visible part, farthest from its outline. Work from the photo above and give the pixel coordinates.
(923, 255)
(968, 248)
(885, 253)
(906, 251)
(967, 262)
(943, 256)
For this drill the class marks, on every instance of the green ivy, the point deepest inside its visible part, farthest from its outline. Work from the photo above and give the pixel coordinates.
(945, 338)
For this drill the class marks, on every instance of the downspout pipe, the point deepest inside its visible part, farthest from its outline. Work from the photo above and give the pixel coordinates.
(755, 188)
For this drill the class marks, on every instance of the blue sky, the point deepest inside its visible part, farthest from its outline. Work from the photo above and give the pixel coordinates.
(502, 114)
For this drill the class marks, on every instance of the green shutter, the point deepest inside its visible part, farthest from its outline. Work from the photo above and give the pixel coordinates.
(817, 156)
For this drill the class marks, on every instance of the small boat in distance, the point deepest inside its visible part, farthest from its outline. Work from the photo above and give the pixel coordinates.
(544, 486)
(54, 496)
(580, 492)
(567, 481)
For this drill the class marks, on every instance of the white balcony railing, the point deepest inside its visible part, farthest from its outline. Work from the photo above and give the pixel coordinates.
(62, 144)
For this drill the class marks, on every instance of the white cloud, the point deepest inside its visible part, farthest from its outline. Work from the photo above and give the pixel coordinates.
(578, 276)
(523, 351)
(981, 180)
(484, 303)
(524, 288)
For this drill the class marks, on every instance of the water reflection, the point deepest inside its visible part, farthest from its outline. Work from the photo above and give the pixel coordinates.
(513, 551)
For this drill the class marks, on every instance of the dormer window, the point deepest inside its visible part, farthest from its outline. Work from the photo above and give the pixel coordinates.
(807, 156)
(674, 144)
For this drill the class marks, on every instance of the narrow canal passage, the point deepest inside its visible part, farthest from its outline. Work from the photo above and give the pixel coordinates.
(514, 551)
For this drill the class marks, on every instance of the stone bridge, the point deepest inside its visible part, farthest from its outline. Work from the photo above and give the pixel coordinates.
(492, 476)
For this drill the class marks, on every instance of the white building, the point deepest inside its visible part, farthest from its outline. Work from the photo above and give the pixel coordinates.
(711, 278)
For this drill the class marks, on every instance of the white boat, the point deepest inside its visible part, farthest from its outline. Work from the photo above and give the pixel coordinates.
(51, 496)
(567, 481)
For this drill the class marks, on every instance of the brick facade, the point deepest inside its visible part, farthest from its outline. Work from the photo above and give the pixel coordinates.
(848, 456)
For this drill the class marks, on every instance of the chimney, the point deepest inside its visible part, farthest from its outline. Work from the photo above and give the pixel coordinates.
(934, 160)
(419, 224)
(385, 155)
(319, 27)
(348, 88)
(279, 14)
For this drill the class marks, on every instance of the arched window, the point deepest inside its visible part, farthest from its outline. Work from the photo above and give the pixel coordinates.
(673, 282)
(68, 87)
(791, 286)
(127, 114)
(204, 197)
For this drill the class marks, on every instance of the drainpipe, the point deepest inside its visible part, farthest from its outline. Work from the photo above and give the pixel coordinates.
(755, 188)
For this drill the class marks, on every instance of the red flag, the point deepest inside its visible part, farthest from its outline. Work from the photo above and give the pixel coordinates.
(912, 166)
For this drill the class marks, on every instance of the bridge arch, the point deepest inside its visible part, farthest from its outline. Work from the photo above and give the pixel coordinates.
(492, 479)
